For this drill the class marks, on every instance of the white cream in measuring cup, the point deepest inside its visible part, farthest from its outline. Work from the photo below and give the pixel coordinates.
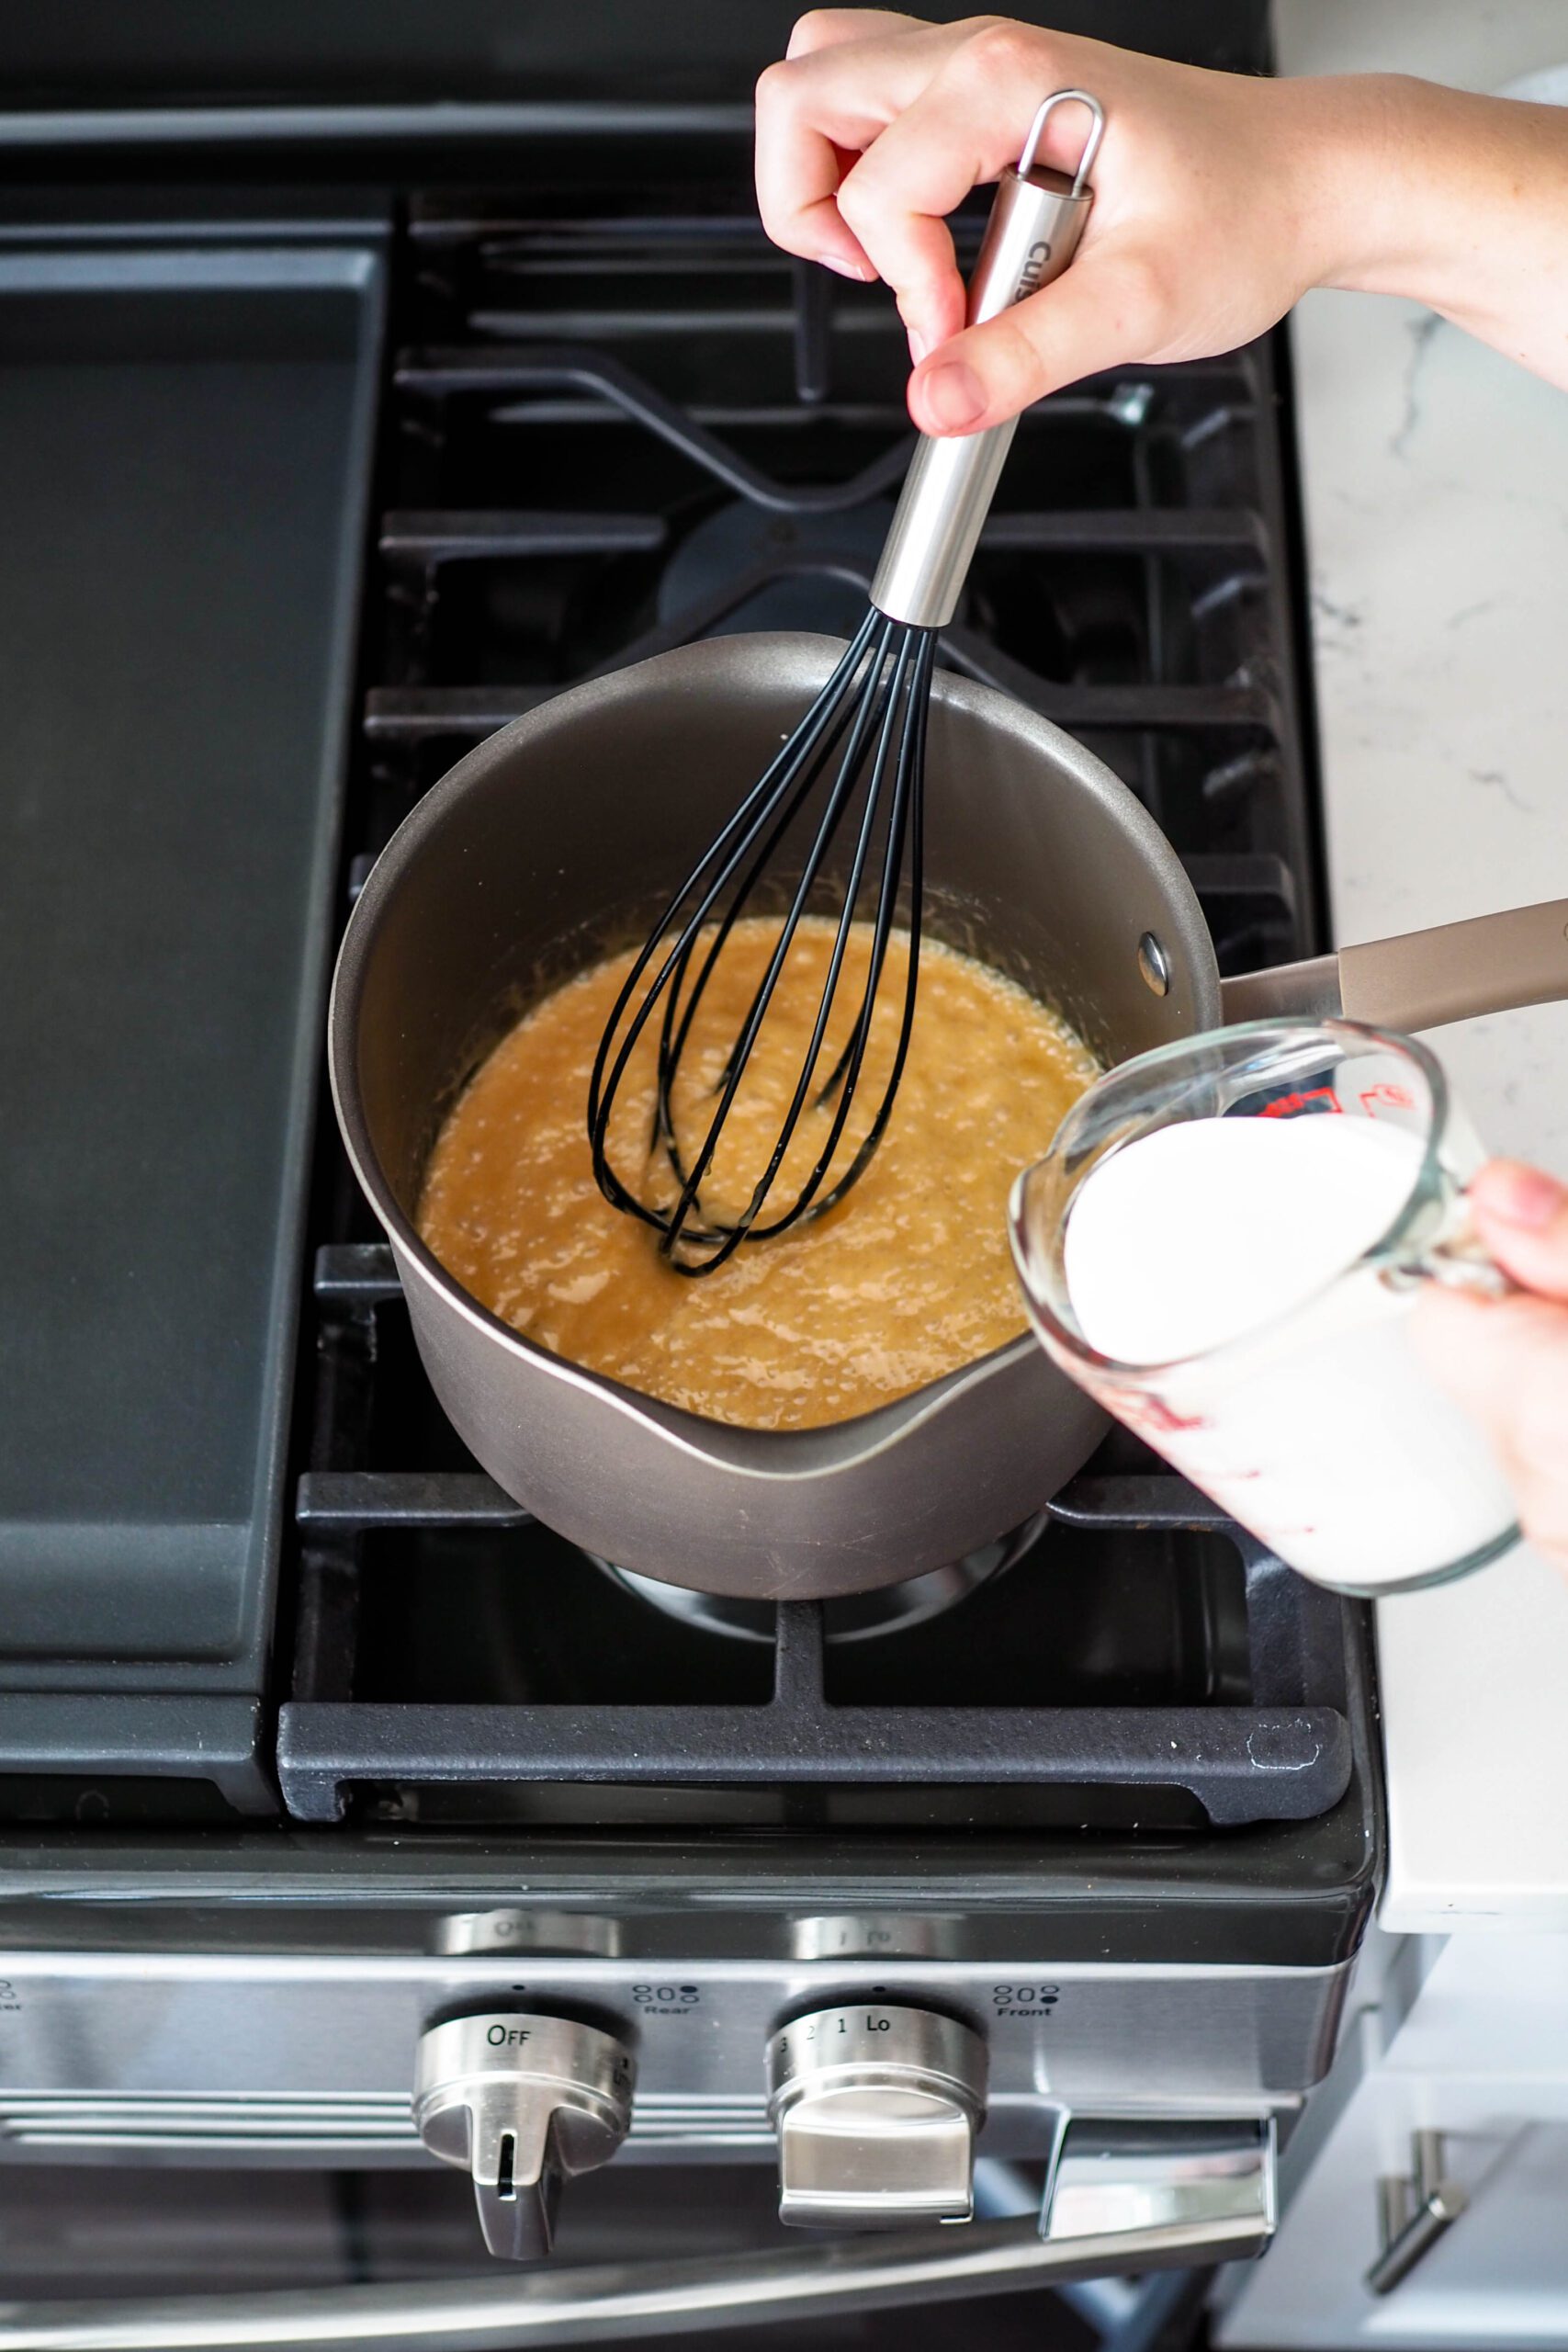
(1229, 1294)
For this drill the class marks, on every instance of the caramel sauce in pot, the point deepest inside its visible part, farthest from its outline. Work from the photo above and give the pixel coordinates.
(907, 1279)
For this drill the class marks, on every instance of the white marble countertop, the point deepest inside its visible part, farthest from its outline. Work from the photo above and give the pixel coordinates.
(1436, 491)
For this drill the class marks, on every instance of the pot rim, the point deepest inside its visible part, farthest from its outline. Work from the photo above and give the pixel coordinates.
(768, 1455)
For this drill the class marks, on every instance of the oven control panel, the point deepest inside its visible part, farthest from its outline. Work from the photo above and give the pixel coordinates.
(873, 2059)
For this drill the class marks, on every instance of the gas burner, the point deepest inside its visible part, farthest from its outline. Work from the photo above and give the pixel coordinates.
(812, 569)
(857, 1617)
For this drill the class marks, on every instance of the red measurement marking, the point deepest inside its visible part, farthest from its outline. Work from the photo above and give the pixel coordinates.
(1160, 1417)
(1289, 1104)
(1149, 1413)
(1388, 1096)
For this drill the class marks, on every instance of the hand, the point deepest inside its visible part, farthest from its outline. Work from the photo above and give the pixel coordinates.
(1218, 198)
(877, 125)
(1506, 1360)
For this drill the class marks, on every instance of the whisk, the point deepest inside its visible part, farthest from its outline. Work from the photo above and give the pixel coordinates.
(862, 744)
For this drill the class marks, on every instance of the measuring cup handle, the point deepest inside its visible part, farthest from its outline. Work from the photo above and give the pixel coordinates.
(1422, 978)
(1457, 1259)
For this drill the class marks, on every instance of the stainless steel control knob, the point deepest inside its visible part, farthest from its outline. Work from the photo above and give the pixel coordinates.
(524, 2102)
(876, 2111)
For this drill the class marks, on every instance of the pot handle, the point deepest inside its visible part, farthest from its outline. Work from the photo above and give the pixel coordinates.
(1422, 978)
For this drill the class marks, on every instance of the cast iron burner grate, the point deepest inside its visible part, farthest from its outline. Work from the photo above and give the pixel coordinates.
(618, 421)
(1281, 1757)
(722, 453)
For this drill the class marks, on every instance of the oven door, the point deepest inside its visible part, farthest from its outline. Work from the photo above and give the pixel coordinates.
(1122, 2198)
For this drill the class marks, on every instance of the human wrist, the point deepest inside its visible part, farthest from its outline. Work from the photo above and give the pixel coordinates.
(1364, 179)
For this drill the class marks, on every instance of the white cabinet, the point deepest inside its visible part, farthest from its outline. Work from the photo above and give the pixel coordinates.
(1468, 2038)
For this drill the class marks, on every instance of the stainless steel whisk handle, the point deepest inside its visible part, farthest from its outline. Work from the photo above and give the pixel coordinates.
(1035, 224)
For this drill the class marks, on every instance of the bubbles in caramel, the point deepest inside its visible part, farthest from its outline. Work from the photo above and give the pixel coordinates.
(908, 1278)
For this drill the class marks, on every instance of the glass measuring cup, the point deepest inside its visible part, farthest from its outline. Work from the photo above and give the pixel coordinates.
(1318, 1427)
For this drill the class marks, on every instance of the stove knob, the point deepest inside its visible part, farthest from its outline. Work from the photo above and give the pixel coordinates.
(524, 2102)
(876, 2111)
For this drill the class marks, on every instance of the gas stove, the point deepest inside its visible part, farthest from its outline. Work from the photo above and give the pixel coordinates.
(340, 1803)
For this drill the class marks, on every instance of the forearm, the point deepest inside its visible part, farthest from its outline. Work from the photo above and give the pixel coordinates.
(1458, 201)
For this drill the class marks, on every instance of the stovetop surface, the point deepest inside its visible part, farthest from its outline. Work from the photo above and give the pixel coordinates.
(611, 420)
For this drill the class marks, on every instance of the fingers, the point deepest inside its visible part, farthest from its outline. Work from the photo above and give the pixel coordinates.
(798, 168)
(1522, 1216)
(814, 111)
(1506, 1362)
(960, 130)
(1495, 1357)
(922, 114)
(830, 27)
(1107, 308)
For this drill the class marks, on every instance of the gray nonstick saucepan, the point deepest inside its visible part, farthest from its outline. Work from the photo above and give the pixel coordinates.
(557, 838)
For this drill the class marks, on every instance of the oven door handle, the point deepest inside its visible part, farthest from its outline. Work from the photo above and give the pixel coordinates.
(1126, 2200)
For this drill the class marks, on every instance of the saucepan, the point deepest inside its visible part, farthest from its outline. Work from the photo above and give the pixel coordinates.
(555, 840)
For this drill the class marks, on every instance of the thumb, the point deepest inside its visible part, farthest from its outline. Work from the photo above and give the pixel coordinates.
(1521, 1213)
(1099, 312)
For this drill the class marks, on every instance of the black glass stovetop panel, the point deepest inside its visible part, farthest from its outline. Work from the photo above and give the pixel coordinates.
(185, 443)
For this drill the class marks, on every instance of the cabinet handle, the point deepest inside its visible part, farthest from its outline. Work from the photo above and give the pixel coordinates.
(1415, 2214)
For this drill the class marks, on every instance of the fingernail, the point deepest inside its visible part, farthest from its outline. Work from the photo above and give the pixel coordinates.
(952, 395)
(846, 268)
(1521, 1196)
(919, 345)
